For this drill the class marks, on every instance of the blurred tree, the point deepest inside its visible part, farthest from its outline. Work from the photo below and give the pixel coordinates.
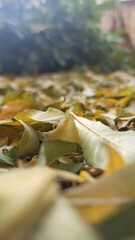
(50, 35)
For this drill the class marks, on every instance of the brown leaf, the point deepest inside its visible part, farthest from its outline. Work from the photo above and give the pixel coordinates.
(13, 107)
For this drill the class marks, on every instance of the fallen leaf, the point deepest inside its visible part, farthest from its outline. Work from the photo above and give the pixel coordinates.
(68, 225)
(92, 137)
(52, 115)
(23, 196)
(97, 201)
(8, 132)
(71, 167)
(8, 156)
(29, 142)
(13, 107)
(55, 149)
(115, 161)
(125, 217)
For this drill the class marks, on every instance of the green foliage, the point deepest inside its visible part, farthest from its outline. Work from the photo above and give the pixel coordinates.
(50, 35)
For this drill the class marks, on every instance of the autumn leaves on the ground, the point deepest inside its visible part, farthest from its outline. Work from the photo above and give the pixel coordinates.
(65, 136)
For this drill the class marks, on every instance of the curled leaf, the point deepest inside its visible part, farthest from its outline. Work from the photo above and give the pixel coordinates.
(29, 142)
(8, 156)
(52, 150)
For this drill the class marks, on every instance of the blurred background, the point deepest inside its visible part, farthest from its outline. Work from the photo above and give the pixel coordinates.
(39, 36)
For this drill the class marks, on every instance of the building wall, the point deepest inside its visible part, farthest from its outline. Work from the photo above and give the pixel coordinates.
(123, 16)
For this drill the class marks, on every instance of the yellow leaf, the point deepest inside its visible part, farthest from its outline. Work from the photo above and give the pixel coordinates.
(115, 161)
(23, 195)
(98, 201)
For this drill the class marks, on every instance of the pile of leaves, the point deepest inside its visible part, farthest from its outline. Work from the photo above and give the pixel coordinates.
(46, 36)
(66, 143)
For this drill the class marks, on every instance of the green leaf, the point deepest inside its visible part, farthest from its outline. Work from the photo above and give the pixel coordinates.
(71, 167)
(52, 150)
(93, 137)
(125, 217)
(8, 156)
(29, 142)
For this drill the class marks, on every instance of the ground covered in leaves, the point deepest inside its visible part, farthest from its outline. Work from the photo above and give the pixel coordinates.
(67, 142)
